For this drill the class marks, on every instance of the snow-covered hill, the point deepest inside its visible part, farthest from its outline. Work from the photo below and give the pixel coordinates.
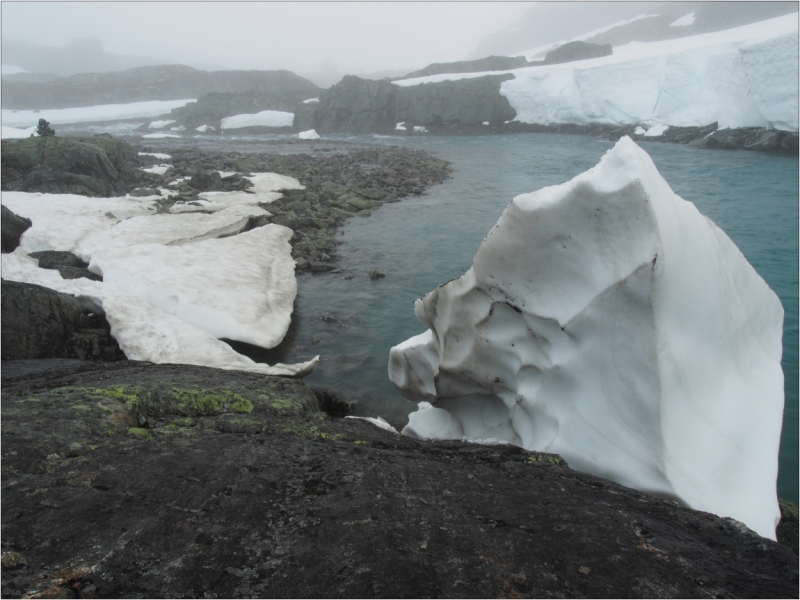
(740, 77)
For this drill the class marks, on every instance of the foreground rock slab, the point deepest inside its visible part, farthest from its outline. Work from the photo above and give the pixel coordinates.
(138, 480)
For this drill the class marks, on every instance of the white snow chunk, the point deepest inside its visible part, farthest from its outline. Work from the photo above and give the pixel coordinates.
(178, 128)
(639, 130)
(158, 169)
(378, 422)
(608, 321)
(420, 129)
(401, 126)
(13, 70)
(204, 128)
(158, 155)
(91, 114)
(157, 136)
(656, 130)
(311, 134)
(486, 122)
(683, 21)
(160, 124)
(265, 118)
(149, 334)
(11, 133)
(241, 287)
(311, 101)
(68, 221)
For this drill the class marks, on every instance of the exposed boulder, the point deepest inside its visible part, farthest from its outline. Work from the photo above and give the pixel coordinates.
(67, 264)
(137, 480)
(356, 105)
(456, 103)
(490, 63)
(69, 166)
(44, 129)
(38, 322)
(573, 51)
(13, 226)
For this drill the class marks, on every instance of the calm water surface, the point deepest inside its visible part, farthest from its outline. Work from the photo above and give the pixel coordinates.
(426, 240)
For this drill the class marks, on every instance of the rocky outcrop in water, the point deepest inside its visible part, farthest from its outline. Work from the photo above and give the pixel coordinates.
(99, 166)
(38, 322)
(164, 82)
(356, 105)
(13, 226)
(130, 479)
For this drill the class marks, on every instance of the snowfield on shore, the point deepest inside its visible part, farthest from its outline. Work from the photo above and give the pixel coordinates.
(91, 114)
(172, 283)
(741, 77)
(606, 320)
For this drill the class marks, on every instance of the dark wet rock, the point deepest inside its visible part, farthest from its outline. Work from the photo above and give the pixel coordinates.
(356, 105)
(490, 63)
(787, 530)
(38, 322)
(322, 267)
(206, 181)
(77, 273)
(578, 50)
(376, 275)
(50, 259)
(131, 479)
(13, 226)
(69, 166)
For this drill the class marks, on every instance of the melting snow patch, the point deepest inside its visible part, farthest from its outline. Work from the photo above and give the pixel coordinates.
(639, 130)
(160, 124)
(606, 320)
(378, 422)
(308, 135)
(158, 155)
(156, 136)
(11, 133)
(420, 129)
(92, 114)
(158, 170)
(204, 128)
(265, 118)
(311, 101)
(656, 130)
(401, 126)
(178, 128)
(683, 21)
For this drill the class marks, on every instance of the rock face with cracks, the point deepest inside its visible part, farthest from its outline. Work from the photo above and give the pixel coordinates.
(166, 481)
(608, 321)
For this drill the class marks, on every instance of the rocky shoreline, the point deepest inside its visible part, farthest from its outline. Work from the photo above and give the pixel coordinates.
(134, 480)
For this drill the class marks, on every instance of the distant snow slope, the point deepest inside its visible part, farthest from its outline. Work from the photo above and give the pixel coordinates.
(607, 320)
(91, 114)
(741, 77)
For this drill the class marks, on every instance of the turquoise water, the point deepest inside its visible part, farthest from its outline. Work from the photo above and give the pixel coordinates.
(426, 240)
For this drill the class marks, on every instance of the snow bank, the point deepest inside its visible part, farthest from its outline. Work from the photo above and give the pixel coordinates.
(684, 21)
(157, 136)
(160, 124)
(205, 128)
(11, 133)
(265, 118)
(311, 134)
(13, 70)
(158, 169)
(172, 283)
(741, 77)
(608, 321)
(89, 114)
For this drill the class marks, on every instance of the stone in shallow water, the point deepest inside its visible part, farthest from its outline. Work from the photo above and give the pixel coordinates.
(608, 321)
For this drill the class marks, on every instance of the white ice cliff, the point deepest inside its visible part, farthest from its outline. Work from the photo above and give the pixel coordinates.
(172, 283)
(740, 77)
(608, 321)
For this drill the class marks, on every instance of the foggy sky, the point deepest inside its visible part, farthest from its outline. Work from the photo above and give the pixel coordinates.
(298, 36)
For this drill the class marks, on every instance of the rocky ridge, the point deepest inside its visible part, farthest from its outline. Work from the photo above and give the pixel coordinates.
(135, 480)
